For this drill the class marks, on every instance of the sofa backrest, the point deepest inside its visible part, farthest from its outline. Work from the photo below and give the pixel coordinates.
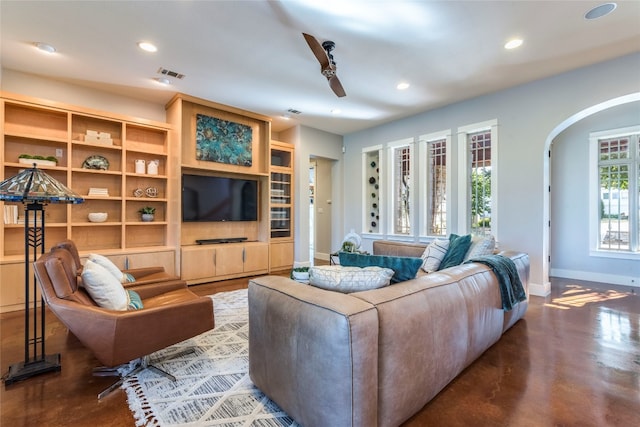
(390, 248)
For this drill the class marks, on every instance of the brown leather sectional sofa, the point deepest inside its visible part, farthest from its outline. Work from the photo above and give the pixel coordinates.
(373, 358)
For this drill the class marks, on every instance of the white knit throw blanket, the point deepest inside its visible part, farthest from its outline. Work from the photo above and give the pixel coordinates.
(213, 386)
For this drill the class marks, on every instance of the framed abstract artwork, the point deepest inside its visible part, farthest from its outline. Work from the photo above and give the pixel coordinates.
(223, 141)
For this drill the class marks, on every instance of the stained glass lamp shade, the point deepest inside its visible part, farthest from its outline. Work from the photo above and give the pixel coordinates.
(34, 185)
(34, 189)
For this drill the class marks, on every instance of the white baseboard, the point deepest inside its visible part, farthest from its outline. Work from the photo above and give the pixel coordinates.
(539, 290)
(591, 276)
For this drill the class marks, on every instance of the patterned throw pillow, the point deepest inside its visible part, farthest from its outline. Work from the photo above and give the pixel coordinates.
(434, 254)
(135, 302)
(481, 246)
(349, 279)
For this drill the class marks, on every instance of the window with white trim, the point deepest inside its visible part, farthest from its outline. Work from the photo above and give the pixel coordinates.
(401, 173)
(615, 197)
(479, 146)
(434, 179)
(478, 168)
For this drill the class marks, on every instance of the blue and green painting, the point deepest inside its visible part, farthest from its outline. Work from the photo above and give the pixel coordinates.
(223, 141)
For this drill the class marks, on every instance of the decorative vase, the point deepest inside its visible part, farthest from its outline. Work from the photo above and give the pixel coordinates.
(140, 164)
(152, 167)
(147, 217)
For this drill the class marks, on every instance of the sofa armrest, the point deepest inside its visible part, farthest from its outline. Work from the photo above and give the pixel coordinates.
(521, 260)
(314, 352)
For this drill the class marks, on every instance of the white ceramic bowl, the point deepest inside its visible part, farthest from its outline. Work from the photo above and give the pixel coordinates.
(97, 216)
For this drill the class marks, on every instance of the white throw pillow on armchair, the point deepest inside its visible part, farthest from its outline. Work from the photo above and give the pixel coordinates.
(107, 264)
(105, 289)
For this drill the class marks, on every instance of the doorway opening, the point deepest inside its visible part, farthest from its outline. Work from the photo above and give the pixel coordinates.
(312, 224)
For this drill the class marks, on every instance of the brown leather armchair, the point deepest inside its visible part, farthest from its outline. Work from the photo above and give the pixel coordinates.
(171, 313)
(142, 275)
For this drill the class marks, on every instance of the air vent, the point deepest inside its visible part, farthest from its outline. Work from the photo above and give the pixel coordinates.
(293, 111)
(170, 73)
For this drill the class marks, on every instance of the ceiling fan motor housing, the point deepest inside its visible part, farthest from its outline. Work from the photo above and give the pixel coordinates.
(328, 46)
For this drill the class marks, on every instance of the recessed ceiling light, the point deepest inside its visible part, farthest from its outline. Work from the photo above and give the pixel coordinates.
(336, 111)
(512, 44)
(600, 11)
(163, 81)
(45, 47)
(403, 86)
(147, 47)
(286, 116)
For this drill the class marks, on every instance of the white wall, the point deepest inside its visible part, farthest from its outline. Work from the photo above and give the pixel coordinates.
(324, 210)
(310, 143)
(526, 115)
(570, 202)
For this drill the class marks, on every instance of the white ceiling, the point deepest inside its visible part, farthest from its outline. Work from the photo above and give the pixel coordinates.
(251, 54)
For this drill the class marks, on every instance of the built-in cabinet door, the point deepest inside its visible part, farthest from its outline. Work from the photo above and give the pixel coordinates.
(146, 259)
(198, 263)
(12, 295)
(281, 255)
(256, 257)
(229, 259)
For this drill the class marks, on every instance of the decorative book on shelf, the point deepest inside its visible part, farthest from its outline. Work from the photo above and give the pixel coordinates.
(11, 214)
(94, 191)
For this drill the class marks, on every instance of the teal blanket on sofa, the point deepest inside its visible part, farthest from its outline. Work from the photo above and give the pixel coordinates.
(511, 289)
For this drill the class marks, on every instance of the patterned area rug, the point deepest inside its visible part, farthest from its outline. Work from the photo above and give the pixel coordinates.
(213, 386)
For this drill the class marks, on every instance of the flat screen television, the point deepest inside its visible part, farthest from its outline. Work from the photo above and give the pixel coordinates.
(214, 198)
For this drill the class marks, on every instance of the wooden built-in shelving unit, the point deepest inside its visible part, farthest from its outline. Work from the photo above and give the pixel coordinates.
(66, 132)
(37, 127)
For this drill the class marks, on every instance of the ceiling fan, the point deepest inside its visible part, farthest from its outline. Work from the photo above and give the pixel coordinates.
(327, 64)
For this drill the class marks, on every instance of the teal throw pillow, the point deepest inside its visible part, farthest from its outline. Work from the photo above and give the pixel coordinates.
(458, 247)
(135, 302)
(404, 268)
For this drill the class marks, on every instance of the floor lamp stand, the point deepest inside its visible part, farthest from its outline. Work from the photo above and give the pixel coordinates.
(35, 362)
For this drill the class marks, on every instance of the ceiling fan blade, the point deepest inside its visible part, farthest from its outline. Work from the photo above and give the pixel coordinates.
(317, 50)
(336, 86)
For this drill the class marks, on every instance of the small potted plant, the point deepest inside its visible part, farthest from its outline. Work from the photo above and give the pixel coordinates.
(38, 160)
(300, 274)
(147, 213)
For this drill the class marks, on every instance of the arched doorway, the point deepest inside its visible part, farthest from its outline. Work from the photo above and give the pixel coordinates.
(570, 121)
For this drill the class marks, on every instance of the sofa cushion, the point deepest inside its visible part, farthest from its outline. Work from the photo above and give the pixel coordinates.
(458, 247)
(349, 279)
(405, 268)
(104, 288)
(111, 268)
(434, 254)
(481, 246)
